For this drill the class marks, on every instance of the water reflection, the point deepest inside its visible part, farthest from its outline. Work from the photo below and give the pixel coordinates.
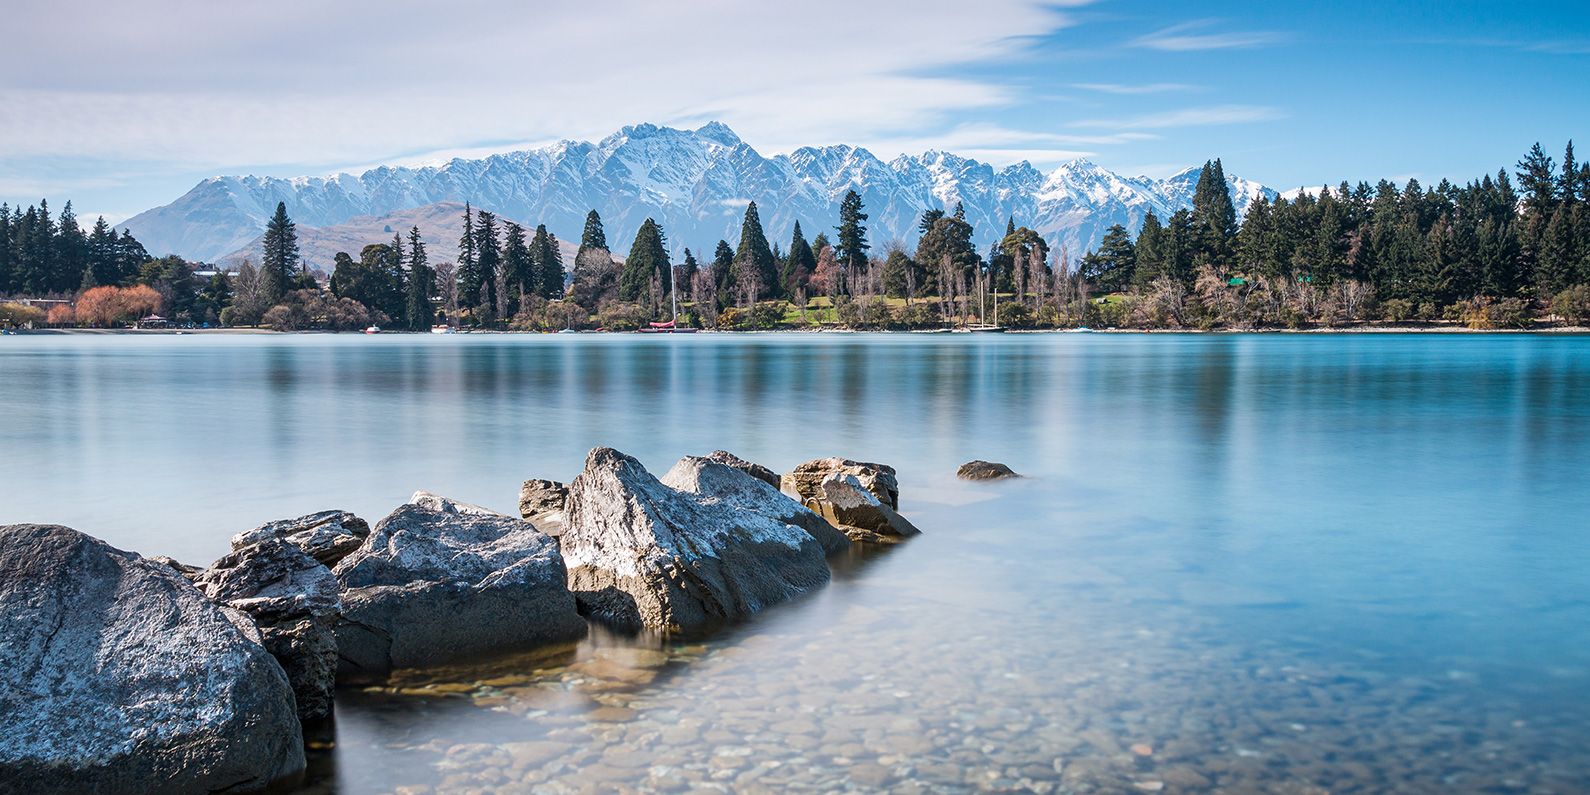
(1222, 539)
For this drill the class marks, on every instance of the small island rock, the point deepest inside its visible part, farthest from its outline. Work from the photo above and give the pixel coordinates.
(984, 470)
(118, 676)
(641, 554)
(708, 477)
(327, 536)
(860, 513)
(443, 580)
(805, 483)
(293, 601)
(757, 471)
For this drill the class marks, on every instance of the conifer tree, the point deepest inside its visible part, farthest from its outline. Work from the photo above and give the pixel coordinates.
(279, 265)
(482, 280)
(593, 236)
(799, 265)
(549, 262)
(518, 264)
(722, 264)
(419, 311)
(754, 250)
(1214, 217)
(852, 248)
(648, 259)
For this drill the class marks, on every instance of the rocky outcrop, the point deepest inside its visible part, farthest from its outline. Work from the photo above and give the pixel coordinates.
(733, 486)
(327, 536)
(187, 572)
(444, 580)
(118, 676)
(541, 502)
(805, 483)
(757, 471)
(859, 513)
(642, 554)
(984, 470)
(293, 601)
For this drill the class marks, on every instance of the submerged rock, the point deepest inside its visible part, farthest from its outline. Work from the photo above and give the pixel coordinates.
(984, 470)
(805, 483)
(642, 554)
(443, 580)
(541, 503)
(293, 601)
(860, 513)
(708, 477)
(118, 676)
(327, 536)
(757, 471)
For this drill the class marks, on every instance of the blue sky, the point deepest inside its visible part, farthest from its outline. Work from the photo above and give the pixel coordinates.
(122, 107)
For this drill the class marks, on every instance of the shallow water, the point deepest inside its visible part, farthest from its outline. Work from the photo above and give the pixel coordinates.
(1248, 563)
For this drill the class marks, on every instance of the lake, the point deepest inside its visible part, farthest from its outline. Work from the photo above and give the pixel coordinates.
(1272, 563)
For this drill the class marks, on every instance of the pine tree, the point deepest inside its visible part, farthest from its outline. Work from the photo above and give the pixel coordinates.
(394, 291)
(593, 236)
(421, 283)
(852, 248)
(754, 250)
(549, 262)
(799, 265)
(468, 272)
(648, 259)
(518, 266)
(1214, 217)
(7, 249)
(722, 264)
(279, 265)
(71, 252)
(488, 264)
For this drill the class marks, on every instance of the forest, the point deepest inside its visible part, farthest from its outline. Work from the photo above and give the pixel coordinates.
(1501, 251)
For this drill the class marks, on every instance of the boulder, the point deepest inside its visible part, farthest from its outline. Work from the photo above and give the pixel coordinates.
(187, 572)
(293, 601)
(984, 470)
(541, 503)
(327, 536)
(118, 676)
(859, 512)
(757, 471)
(443, 580)
(641, 554)
(734, 486)
(806, 482)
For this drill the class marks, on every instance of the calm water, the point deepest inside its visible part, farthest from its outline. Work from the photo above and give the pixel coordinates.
(1288, 564)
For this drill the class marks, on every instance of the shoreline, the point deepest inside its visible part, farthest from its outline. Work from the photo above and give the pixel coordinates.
(1433, 329)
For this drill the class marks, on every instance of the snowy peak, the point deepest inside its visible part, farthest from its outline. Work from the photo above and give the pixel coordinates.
(695, 183)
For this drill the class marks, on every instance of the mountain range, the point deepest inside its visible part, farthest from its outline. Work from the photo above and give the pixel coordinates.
(695, 183)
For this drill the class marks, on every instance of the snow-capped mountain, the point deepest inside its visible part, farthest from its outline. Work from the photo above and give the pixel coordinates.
(695, 183)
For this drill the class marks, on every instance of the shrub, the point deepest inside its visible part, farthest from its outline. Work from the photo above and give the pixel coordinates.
(1511, 313)
(1396, 310)
(620, 316)
(13, 315)
(921, 315)
(1573, 305)
(1016, 315)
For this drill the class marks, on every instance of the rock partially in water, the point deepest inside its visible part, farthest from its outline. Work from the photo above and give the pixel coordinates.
(293, 601)
(641, 554)
(542, 502)
(327, 536)
(118, 676)
(433, 584)
(757, 471)
(984, 470)
(805, 483)
(859, 512)
(710, 478)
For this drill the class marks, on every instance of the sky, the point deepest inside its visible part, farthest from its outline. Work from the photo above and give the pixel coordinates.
(121, 106)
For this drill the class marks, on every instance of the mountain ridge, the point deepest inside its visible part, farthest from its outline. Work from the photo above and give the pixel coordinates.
(695, 183)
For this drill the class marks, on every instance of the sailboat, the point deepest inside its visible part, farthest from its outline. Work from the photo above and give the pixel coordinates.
(985, 328)
(670, 326)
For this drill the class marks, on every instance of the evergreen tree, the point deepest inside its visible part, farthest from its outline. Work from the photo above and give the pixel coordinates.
(1110, 269)
(421, 284)
(468, 266)
(1214, 217)
(648, 259)
(722, 264)
(518, 265)
(279, 265)
(593, 236)
(897, 274)
(852, 248)
(101, 268)
(71, 252)
(800, 264)
(549, 265)
(755, 251)
(488, 264)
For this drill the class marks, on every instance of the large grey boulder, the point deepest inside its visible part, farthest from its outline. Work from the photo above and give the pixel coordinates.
(757, 471)
(859, 512)
(327, 536)
(293, 601)
(541, 503)
(731, 485)
(118, 676)
(439, 583)
(641, 554)
(805, 482)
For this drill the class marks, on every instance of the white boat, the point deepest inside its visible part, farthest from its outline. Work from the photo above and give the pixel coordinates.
(443, 330)
(373, 330)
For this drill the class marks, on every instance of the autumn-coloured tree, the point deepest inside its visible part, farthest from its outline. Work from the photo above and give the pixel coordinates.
(61, 315)
(109, 306)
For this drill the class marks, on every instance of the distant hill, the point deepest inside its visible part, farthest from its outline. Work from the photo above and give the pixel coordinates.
(695, 183)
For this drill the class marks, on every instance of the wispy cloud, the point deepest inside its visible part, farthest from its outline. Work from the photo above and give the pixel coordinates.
(1151, 88)
(1189, 117)
(1187, 38)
